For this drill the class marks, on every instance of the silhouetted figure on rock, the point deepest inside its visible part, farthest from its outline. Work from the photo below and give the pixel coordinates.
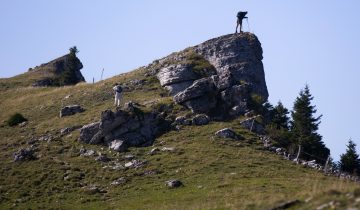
(240, 16)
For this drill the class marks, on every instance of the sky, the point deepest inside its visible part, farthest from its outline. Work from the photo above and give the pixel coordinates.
(304, 42)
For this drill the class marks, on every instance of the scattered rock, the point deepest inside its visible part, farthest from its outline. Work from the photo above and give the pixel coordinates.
(67, 130)
(71, 110)
(129, 157)
(173, 183)
(46, 137)
(168, 149)
(102, 158)
(227, 133)
(24, 154)
(119, 181)
(118, 145)
(201, 119)
(87, 153)
(92, 189)
(135, 164)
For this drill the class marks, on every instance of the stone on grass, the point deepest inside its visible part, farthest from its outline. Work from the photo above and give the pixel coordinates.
(24, 154)
(71, 110)
(201, 119)
(119, 181)
(227, 133)
(173, 183)
(118, 145)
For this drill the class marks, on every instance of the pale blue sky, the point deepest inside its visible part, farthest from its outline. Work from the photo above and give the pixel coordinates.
(305, 41)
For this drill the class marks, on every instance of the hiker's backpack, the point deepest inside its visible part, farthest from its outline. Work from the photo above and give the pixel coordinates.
(241, 15)
(119, 89)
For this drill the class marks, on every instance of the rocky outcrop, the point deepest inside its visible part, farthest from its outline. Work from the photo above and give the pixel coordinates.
(56, 72)
(24, 154)
(125, 128)
(71, 110)
(218, 77)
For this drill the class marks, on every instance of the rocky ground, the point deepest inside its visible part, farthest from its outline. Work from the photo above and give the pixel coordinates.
(185, 137)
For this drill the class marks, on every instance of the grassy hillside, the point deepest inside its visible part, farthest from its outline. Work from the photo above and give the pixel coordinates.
(217, 173)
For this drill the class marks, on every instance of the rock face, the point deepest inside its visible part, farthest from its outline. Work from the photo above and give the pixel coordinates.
(225, 75)
(71, 110)
(56, 68)
(125, 128)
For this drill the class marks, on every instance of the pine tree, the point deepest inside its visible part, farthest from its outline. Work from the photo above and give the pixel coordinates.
(280, 116)
(304, 128)
(68, 76)
(278, 127)
(350, 162)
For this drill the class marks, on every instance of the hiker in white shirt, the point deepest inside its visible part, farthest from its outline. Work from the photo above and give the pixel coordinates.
(118, 94)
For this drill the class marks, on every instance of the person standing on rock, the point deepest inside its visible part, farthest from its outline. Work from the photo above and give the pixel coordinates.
(240, 16)
(118, 94)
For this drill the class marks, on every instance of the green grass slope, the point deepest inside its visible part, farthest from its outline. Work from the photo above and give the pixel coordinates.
(217, 173)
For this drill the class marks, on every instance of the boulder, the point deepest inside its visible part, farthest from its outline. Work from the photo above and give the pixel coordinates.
(227, 133)
(24, 154)
(71, 110)
(88, 131)
(118, 145)
(253, 125)
(173, 183)
(132, 126)
(201, 119)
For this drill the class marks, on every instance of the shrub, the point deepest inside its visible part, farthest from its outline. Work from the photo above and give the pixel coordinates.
(16, 119)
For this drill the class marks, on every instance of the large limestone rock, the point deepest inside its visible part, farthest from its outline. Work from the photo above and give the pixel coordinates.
(237, 57)
(125, 128)
(238, 78)
(54, 69)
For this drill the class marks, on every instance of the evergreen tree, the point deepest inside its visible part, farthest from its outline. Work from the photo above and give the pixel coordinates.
(304, 128)
(280, 116)
(68, 76)
(350, 162)
(278, 128)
